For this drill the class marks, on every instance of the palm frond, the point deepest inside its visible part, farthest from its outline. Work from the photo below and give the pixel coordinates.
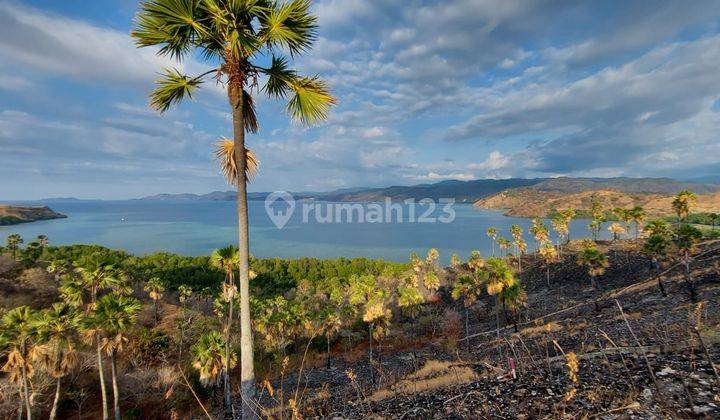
(280, 75)
(311, 100)
(172, 88)
(249, 113)
(289, 25)
(225, 153)
(172, 24)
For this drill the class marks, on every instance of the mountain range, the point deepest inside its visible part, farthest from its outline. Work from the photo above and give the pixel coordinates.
(470, 191)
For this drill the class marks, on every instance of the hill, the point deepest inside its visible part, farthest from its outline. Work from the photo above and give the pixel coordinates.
(655, 195)
(12, 215)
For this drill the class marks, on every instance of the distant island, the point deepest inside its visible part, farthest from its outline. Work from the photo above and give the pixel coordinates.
(13, 215)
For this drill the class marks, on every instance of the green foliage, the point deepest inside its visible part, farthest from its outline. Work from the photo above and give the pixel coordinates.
(9, 220)
(148, 347)
(658, 227)
(209, 357)
(593, 259)
(708, 219)
(656, 246)
(685, 236)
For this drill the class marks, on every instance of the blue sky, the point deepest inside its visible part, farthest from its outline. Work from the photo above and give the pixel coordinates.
(427, 90)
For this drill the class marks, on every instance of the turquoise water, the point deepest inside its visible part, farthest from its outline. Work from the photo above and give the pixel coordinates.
(196, 228)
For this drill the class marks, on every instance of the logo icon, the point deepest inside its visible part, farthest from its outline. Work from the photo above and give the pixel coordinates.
(279, 207)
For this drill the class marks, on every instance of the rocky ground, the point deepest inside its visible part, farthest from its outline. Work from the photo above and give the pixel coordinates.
(636, 331)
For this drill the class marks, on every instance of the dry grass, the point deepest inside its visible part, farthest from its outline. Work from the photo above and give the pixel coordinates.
(433, 375)
(541, 329)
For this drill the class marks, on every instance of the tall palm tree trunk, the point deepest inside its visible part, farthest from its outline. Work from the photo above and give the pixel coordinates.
(247, 371)
(467, 328)
(370, 354)
(26, 393)
(656, 267)
(103, 390)
(21, 407)
(547, 274)
(328, 352)
(116, 390)
(56, 400)
(226, 365)
(688, 277)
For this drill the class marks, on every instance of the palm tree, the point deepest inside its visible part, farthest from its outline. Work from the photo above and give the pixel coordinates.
(185, 292)
(519, 242)
(365, 295)
(714, 218)
(226, 259)
(56, 328)
(616, 229)
(561, 224)
(469, 289)
(513, 299)
(504, 244)
(685, 237)
(597, 214)
(549, 255)
(209, 358)
(594, 260)
(18, 332)
(455, 261)
(682, 204)
(114, 315)
(59, 268)
(13, 243)
(497, 276)
(42, 240)
(492, 233)
(656, 247)
(539, 231)
(658, 227)
(238, 35)
(638, 215)
(95, 276)
(155, 289)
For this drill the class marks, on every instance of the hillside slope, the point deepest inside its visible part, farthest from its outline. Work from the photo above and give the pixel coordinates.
(533, 202)
(12, 215)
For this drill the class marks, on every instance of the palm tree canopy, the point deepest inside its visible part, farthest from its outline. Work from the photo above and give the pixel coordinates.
(225, 258)
(116, 314)
(685, 236)
(658, 227)
(237, 34)
(209, 357)
(18, 323)
(656, 245)
(155, 288)
(594, 259)
(54, 329)
(498, 275)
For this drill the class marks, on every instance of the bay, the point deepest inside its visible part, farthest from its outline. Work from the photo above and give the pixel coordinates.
(198, 227)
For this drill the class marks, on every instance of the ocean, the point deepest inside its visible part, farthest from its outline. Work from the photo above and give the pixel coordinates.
(198, 227)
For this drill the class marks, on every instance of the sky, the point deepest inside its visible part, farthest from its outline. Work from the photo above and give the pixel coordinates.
(427, 91)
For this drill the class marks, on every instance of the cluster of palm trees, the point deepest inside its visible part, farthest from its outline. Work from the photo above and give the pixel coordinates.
(494, 276)
(236, 38)
(32, 251)
(97, 310)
